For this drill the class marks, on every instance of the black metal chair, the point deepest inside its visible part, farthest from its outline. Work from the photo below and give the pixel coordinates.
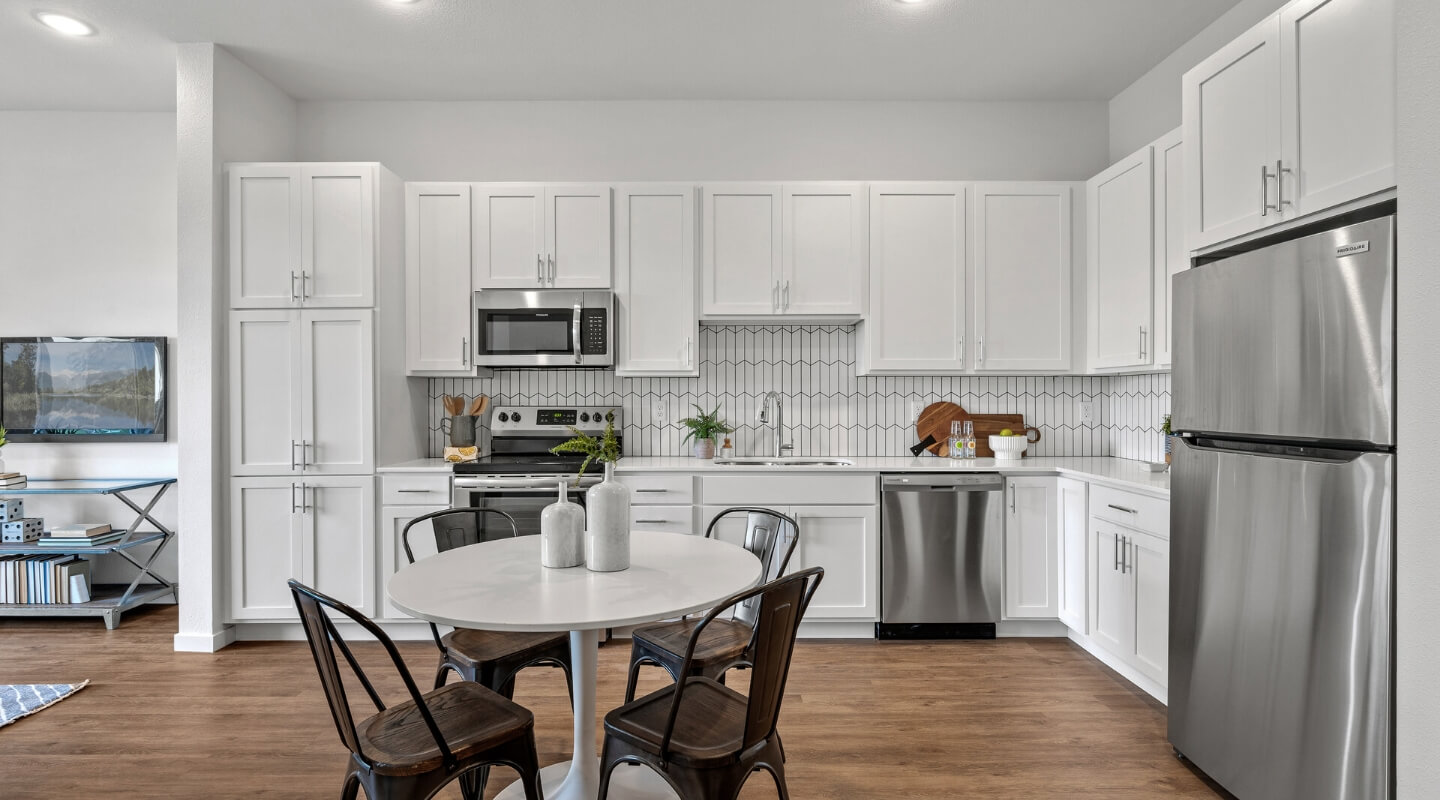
(489, 658)
(703, 737)
(410, 750)
(771, 536)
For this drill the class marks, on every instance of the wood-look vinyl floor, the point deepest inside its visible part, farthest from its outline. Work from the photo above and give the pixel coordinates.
(1012, 718)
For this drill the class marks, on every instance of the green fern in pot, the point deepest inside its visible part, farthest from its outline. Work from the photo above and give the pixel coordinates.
(605, 448)
(702, 429)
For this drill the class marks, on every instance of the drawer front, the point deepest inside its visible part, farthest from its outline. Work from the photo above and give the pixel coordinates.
(660, 490)
(789, 490)
(415, 489)
(1149, 514)
(669, 519)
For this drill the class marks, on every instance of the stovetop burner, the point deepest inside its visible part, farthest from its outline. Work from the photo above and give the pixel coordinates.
(521, 438)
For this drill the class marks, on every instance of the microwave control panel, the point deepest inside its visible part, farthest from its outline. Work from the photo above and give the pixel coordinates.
(594, 331)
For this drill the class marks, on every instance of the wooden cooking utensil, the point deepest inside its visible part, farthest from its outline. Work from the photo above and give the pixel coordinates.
(478, 407)
(933, 426)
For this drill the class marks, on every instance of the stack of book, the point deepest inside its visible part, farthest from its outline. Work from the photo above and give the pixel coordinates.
(44, 579)
(80, 534)
(11, 480)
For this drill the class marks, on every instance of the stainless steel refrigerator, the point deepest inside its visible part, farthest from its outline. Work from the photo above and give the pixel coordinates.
(1283, 517)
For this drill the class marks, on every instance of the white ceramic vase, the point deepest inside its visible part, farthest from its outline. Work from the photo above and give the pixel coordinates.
(562, 532)
(703, 448)
(607, 524)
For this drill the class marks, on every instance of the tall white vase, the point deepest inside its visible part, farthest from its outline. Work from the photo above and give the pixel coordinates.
(607, 524)
(562, 532)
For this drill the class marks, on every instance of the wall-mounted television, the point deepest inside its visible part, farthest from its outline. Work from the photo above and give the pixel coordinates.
(83, 389)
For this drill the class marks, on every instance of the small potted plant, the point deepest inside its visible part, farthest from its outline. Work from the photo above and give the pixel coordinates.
(607, 504)
(1165, 429)
(703, 428)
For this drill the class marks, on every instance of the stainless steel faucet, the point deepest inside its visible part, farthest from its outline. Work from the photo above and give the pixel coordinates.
(763, 415)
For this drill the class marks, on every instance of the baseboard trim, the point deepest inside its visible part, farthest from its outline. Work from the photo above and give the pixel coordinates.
(1038, 628)
(204, 642)
(1126, 671)
(413, 631)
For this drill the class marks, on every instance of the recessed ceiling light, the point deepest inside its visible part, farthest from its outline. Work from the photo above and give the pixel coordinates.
(63, 24)
(911, 2)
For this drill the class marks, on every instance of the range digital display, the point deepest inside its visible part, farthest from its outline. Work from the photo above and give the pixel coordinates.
(555, 416)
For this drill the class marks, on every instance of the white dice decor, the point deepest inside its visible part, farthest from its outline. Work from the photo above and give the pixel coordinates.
(21, 531)
(11, 509)
(562, 532)
(607, 529)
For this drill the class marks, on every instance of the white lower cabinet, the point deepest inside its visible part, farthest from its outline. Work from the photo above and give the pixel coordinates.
(317, 530)
(1031, 564)
(1130, 596)
(1071, 500)
(393, 520)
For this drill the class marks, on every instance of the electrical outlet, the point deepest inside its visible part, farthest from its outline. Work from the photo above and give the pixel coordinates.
(657, 412)
(1087, 412)
(916, 406)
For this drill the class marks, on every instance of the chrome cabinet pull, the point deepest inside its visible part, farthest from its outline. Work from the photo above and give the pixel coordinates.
(689, 351)
(294, 506)
(414, 491)
(775, 297)
(1265, 176)
(305, 292)
(1117, 553)
(652, 521)
(980, 352)
(305, 461)
(1012, 499)
(1125, 552)
(294, 289)
(292, 455)
(307, 498)
(1122, 508)
(550, 259)
(960, 345)
(1280, 171)
(539, 269)
(785, 297)
(464, 351)
(652, 491)
(1142, 342)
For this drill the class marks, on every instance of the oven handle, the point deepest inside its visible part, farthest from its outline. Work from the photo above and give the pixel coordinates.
(575, 332)
(537, 482)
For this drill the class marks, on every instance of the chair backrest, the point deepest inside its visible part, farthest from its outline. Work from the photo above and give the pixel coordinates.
(771, 536)
(458, 527)
(324, 640)
(781, 606)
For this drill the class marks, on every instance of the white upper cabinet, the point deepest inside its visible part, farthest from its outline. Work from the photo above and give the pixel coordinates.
(1022, 276)
(823, 258)
(1337, 93)
(1294, 117)
(1121, 263)
(302, 235)
(655, 280)
(1169, 234)
(916, 322)
(1231, 104)
(437, 279)
(1032, 581)
(509, 236)
(577, 235)
(791, 250)
(740, 266)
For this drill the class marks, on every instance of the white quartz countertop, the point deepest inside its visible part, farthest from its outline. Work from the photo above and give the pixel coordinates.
(418, 465)
(1120, 472)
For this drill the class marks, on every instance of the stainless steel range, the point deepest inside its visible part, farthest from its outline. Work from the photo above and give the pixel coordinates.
(521, 476)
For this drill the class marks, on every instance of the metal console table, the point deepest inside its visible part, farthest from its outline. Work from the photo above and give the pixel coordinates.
(107, 601)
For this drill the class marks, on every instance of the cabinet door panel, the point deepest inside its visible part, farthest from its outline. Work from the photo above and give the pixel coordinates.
(1112, 602)
(655, 280)
(845, 541)
(741, 251)
(393, 520)
(1122, 255)
(340, 546)
(577, 235)
(437, 279)
(824, 249)
(1169, 221)
(338, 264)
(265, 547)
(337, 392)
(1150, 573)
(265, 378)
(1031, 548)
(917, 261)
(1072, 558)
(264, 234)
(1022, 276)
(1232, 130)
(1337, 90)
(509, 236)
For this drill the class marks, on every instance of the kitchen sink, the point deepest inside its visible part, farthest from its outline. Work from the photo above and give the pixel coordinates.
(783, 462)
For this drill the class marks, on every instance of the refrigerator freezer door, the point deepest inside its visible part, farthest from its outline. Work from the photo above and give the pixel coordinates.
(1291, 341)
(1281, 621)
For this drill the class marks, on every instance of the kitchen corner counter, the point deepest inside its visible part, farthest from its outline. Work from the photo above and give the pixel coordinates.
(1119, 472)
(418, 465)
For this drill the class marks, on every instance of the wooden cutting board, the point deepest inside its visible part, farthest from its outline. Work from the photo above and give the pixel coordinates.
(933, 428)
(987, 425)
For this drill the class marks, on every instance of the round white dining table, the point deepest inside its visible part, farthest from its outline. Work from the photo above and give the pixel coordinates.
(500, 586)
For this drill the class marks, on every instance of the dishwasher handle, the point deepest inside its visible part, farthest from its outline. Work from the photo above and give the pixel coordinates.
(942, 482)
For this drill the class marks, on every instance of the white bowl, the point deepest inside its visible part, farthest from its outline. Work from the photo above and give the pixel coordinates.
(1008, 448)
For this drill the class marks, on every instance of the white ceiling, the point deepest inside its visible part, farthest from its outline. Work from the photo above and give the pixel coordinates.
(601, 49)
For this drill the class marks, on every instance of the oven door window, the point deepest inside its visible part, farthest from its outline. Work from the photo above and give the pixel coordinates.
(540, 331)
(524, 505)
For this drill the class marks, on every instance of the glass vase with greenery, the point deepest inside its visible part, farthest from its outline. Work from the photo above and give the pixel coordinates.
(702, 430)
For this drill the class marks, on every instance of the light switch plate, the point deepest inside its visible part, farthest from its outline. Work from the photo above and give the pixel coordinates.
(1087, 412)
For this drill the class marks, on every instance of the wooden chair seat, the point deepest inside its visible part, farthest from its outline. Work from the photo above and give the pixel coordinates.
(722, 640)
(472, 718)
(473, 647)
(709, 728)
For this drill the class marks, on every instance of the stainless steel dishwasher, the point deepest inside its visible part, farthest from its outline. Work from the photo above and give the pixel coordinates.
(941, 555)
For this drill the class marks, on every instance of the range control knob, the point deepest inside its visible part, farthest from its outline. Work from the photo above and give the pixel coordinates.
(609, 416)
(584, 417)
(504, 417)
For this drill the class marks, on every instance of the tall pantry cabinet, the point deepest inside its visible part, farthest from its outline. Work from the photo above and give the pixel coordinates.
(316, 339)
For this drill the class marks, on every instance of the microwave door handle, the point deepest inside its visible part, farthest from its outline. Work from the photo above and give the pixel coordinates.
(575, 334)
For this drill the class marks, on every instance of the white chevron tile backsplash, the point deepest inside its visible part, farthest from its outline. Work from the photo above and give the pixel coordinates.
(829, 410)
(1137, 408)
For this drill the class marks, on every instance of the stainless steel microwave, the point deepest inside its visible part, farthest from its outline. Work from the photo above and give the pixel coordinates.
(544, 328)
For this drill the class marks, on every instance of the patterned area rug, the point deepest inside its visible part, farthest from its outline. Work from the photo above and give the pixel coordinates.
(23, 699)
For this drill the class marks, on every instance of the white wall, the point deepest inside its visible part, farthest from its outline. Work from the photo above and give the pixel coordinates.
(87, 222)
(1150, 106)
(224, 112)
(677, 140)
(1417, 699)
